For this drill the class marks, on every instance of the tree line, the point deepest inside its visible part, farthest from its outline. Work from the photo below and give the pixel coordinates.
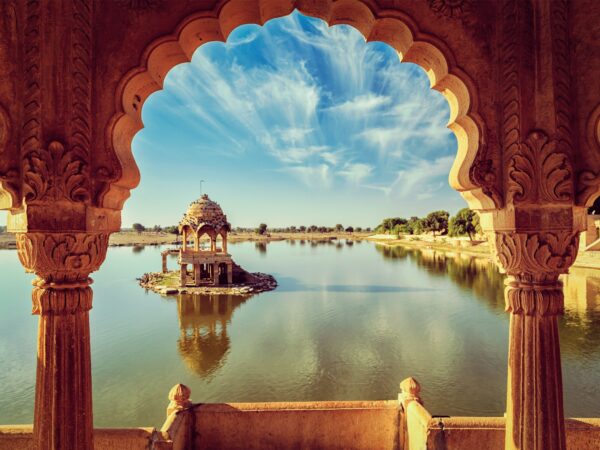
(464, 223)
(261, 229)
(339, 228)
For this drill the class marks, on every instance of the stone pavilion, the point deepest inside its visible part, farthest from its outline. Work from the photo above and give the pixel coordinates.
(210, 265)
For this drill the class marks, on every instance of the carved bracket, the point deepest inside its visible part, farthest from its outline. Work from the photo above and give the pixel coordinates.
(539, 172)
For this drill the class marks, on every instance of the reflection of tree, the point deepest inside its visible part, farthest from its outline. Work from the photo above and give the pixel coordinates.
(579, 327)
(137, 249)
(261, 247)
(475, 274)
(203, 342)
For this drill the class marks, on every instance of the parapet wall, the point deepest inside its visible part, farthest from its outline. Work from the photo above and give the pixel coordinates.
(314, 425)
(381, 425)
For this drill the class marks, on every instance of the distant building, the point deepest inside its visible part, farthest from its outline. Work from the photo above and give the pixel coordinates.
(210, 265)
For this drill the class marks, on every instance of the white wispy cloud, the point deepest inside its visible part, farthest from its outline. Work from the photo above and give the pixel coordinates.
(356, 172)
(316, 176)
(323, 105)
(361, 104)
(416, 178)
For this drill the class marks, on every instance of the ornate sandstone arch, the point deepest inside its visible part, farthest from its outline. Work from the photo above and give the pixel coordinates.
(394, 28)
(524, 107)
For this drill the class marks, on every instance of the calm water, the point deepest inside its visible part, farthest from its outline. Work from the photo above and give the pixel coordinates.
(347, 322)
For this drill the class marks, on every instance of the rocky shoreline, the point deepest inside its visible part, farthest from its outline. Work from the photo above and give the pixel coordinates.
(163, 284)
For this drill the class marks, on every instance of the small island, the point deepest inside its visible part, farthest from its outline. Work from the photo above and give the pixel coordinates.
(212, 267)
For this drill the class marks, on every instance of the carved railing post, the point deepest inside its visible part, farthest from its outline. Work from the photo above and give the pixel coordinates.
(62, 297)
(534, 300)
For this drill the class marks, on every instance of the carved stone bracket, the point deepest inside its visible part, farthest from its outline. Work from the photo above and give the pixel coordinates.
(56, 173)
(539, 171)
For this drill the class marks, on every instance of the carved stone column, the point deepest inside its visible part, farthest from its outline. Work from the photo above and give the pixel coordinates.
(62, 297)
(534, 300)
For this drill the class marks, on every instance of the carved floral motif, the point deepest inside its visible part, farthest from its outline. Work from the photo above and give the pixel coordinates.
(539, 172)
(55, 173)
(536, 257)
(62, 259)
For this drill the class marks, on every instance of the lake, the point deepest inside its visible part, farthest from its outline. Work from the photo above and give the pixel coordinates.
(348, 321)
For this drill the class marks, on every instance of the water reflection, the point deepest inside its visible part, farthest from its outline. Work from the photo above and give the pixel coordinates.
(474, 273)
(261, 247)
(580, 325)
(203, 319)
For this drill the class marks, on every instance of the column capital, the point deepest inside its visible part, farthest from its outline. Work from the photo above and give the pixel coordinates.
(62, 260)
(535, 258)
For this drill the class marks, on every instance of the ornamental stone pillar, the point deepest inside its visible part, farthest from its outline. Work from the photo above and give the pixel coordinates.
(533, 262)
(62, 297)
(55, 189)
(534, 232)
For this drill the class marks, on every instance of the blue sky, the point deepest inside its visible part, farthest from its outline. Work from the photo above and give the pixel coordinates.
(294, 123)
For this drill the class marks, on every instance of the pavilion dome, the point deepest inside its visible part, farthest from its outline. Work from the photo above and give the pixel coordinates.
(203, 212)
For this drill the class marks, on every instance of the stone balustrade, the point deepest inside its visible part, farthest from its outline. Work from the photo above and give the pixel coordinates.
(404, 424)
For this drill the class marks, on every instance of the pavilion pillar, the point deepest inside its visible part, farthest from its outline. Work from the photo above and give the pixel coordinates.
(164, 262)
(229, 273)
(62, 297)
(225, 244)
(183, 275)
(215, 273)
(197, 275)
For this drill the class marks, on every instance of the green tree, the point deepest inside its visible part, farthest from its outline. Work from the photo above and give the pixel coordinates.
(138, 227)
(293, 229)
(464, 222)
(339, 227)
(358, 229)
(174, 229)
(313, 228)
(157, 228)
(302, 228)
(415, 225)
(349, 229)
(437, 222)
(262, 229)
(389, 225)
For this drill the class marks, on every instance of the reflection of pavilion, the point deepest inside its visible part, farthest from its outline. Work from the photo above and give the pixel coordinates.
(203, 342)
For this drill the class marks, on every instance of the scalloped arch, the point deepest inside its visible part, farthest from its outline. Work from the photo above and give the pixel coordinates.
(395, 29)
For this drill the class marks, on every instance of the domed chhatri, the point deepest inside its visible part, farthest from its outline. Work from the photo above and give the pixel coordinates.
(205, 212)
(213, 269)
(212, 265)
